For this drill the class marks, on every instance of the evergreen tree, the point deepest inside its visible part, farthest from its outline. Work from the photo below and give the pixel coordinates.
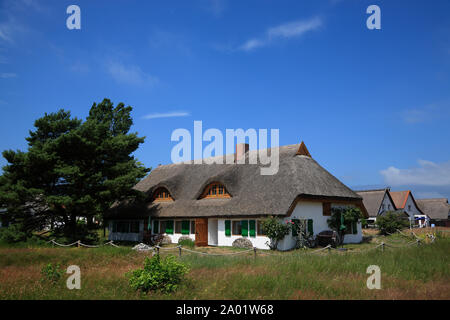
(72, 169)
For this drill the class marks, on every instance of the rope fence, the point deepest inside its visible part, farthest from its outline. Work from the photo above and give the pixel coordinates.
(417, 241)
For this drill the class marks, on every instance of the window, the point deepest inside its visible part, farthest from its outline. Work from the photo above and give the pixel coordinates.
(236, 228)
(351, 228)
(162, 226)
(326, 209)
(409, 207)
(215, 190)
(260, 228)
(192, 227)
(126, 226)
(389, 207)
(178, 225)
(161, 194)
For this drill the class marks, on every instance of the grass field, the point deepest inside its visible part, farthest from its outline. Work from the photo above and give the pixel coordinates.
(407, 272)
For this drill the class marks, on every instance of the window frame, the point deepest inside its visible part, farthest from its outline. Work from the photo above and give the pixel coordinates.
(161, 194)
(215, 190)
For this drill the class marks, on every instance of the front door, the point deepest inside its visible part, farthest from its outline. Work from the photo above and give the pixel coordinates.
(201, 232)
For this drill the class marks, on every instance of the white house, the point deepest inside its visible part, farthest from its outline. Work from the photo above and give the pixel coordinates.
(215, 204)
(405, 201)
(377, 202)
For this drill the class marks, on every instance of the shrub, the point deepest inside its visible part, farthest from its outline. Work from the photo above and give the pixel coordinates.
(13, 233)
(342, 218)
(158, 274)
(275, 230)
(186, 242)
(51, 273)
(391, 221)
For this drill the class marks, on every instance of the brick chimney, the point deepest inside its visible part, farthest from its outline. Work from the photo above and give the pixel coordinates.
(241, 149)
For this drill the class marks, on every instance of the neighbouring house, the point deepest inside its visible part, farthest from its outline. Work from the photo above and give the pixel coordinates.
(405, 201)
(215, 204)
(376, 202)
(437, 209)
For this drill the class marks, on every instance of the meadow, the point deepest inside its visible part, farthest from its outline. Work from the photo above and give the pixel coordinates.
(408, 271)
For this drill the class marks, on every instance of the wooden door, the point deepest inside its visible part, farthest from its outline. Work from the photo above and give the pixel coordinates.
(201, 232)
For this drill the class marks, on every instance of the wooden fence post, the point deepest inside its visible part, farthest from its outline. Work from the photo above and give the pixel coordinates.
(382, 247)
(78, 243)
(179, 248)
(254, 252)
(157, 250)
(329, 248)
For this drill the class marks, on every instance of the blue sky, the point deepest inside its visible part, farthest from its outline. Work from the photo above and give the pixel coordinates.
(373, 106)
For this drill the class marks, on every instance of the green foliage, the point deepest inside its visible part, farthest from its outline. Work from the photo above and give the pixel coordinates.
(72, 169)
(304, 239)
(13, 233)
(275, 231)
(391, 221)
(187, 243)
(158, 274)
(341, 217)
(51, 273)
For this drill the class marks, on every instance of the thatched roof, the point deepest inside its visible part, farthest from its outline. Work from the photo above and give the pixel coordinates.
(373, 199)
(251, 193)
(437, 208)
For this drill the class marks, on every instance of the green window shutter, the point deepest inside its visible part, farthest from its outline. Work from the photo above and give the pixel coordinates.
(310, 226)
(169, 227)
(149, 224)
(156, 226)
(355, 227)
(227, 228)
(294, 230)
(185, 227)
(244, 228)
(252, 228)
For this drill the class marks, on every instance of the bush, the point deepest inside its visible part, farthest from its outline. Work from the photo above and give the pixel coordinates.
(158, 274)
(51, 273)
(186, 242)
(391, 221)
(275, 230)
(13, 233)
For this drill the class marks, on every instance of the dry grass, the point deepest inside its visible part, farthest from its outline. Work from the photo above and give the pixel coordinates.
(407, 273)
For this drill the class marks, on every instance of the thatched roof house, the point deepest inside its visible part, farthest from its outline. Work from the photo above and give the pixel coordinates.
(246, 193)
(438, 209)
(377, 201)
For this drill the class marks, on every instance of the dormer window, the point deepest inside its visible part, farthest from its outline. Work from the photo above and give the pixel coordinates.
(162, 194)
(215, 190)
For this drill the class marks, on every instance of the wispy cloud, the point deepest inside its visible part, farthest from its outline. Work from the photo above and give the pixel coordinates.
(427, 113)
(288, 30)
(130, 74)
(216, 7)
(166, 115)
(8, 75)
(427, 174)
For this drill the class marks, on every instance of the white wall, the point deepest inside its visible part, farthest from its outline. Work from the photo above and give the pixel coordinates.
(387, 203)
(314, 210)
(414, 210)
(223, 240)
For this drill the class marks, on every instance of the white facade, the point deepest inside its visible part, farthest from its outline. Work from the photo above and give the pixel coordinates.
(386, 204)
(314, 211)
(217, 235)
(258, 241)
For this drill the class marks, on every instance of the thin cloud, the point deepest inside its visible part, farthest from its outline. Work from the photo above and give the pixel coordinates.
(7, 75)
(427, 174)
(167, 115)
(428, 113)
(130, 74)
(288, 30)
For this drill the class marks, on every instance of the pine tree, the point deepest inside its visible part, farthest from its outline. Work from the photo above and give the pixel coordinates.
(72, 169)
